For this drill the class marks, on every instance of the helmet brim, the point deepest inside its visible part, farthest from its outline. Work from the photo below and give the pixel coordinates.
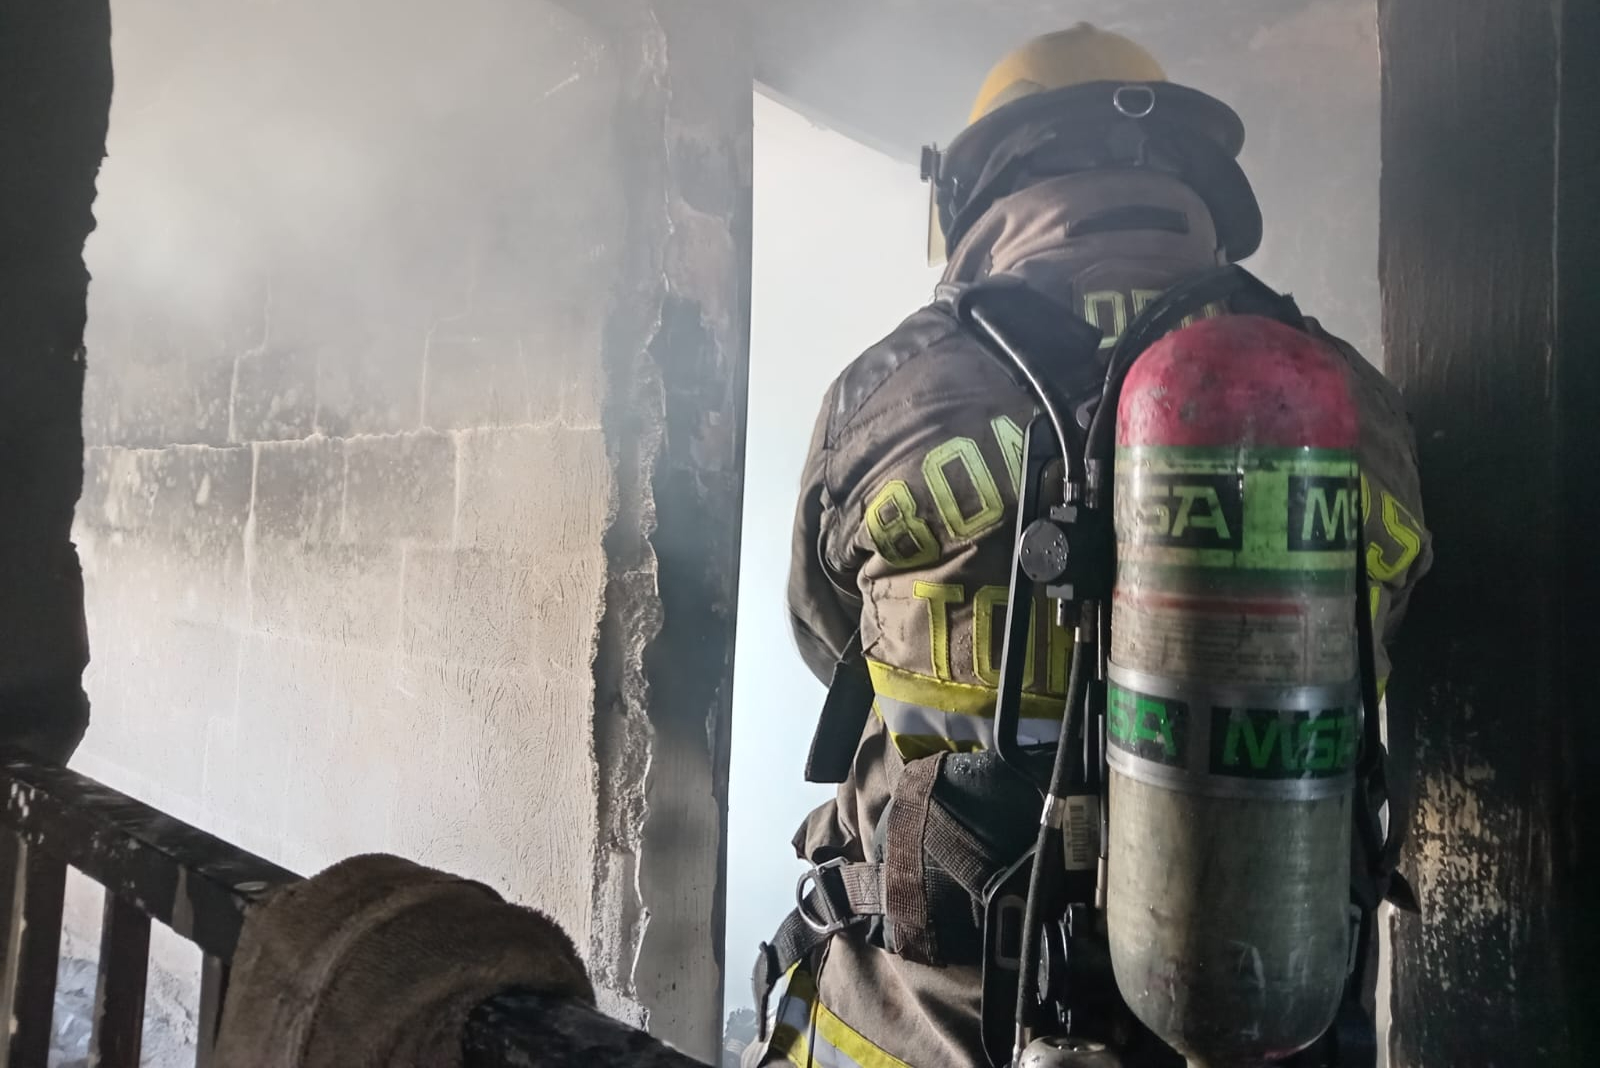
(1199, 111)
(1212, 130)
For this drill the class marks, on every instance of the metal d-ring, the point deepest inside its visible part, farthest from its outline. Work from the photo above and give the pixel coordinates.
(813, 876)
(1134, 101)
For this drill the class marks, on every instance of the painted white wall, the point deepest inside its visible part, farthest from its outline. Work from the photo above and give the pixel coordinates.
(839, 235)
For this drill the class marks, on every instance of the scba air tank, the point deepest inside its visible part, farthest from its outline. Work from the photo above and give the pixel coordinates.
(1233, 705)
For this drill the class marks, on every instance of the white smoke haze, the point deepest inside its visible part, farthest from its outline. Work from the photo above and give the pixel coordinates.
(356, 174)
(346, 484)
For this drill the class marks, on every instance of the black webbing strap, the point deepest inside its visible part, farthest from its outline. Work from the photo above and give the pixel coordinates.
(1130, 217)
(841, 895)
(838, 895)
(905, 872)
(843, 717)
(962, 856)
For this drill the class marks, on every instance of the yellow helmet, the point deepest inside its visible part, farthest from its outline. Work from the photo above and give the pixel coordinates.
(1069, 89)
(1074, 56)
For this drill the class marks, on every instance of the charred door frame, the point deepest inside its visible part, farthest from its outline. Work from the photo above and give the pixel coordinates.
(1490, 262)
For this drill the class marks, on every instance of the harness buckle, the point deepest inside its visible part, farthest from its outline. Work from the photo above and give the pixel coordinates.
(837, 919)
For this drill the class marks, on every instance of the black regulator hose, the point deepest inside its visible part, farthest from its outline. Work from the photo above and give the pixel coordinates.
(1066, 430)
(1047, 850)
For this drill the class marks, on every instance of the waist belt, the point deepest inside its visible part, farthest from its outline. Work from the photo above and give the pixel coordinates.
(923, 715)
(923, 898)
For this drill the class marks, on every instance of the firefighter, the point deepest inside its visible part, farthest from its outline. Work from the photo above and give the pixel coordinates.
(904, 533)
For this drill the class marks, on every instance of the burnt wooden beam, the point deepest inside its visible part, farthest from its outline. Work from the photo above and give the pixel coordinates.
(213, 991)
(518, 1030)
(55, 95)
(1490, 259)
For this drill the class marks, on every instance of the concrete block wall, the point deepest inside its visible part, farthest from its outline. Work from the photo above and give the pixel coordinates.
(414, 415)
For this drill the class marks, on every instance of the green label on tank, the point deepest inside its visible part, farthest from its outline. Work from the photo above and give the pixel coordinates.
(1254, 509)
(1200, 740)
(1257, 743)
(1152, 728)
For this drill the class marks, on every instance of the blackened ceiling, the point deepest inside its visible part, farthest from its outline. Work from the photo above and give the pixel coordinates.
(898, 73)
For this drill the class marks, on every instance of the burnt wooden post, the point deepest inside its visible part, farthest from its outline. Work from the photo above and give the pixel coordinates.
(33, 947)
(55, 94)
(1490, 267)
(119, 994)
(213, 989)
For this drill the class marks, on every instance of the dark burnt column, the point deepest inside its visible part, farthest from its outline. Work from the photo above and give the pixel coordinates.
(1491, 282)
(55, 91)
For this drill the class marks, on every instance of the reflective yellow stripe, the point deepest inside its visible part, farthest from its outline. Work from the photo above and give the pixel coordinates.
(960, 698)
(792, 1044)
(827, 1042)
(917, 746)
(842, 1037)
(925, 715)
(789, 1005)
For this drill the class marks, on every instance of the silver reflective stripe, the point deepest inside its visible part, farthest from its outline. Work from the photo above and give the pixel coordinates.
(809, 1032)
(1202, 703)
(825, 1054)
(790, 1011)
(812, 1048)
(903, 717)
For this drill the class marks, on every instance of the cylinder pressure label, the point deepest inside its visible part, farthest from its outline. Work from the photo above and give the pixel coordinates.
(1234, 666)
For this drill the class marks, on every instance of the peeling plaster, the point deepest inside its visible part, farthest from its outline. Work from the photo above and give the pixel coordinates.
(674, 422)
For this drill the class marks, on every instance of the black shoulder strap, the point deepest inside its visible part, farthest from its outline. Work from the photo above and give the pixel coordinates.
(1241, 291)
(843, 717)
(1058, 346)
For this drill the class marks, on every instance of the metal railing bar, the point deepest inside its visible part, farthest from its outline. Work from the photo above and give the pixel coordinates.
(119, 995)
(213, 990)
(33, 952)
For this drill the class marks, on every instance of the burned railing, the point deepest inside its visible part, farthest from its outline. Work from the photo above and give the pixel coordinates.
(155, 867)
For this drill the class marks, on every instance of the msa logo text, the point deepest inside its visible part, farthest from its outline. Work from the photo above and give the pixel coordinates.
(1324, 513)
(1186, 511)
(1267, 744)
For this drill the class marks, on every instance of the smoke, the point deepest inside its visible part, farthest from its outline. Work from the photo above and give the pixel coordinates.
(351, 267)
(329, 182)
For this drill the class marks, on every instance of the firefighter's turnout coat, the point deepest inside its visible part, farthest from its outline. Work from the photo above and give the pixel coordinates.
(904, 532)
